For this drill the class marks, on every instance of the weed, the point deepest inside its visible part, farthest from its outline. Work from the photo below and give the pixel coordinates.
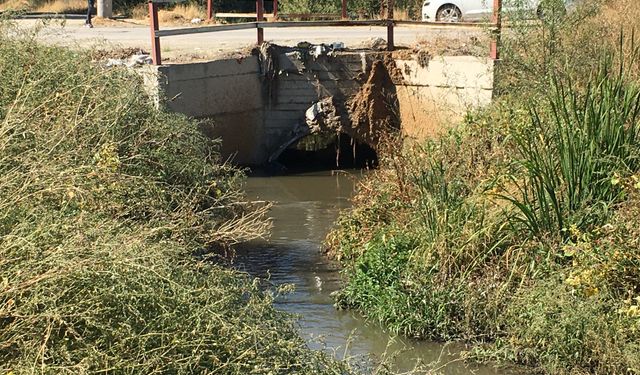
(574, 157)
(103, 201)
(517, 231)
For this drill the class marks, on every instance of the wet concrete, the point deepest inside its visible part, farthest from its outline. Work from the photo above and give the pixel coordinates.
(306, 206)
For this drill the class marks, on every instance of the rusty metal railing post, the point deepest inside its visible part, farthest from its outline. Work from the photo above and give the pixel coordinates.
(260, 18)
(494, 50)
(209, 9)
(155, 40)
(390, 41)
(275, 9)
(344, 9)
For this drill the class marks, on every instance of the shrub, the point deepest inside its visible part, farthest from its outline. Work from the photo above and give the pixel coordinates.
(575, 155)
(104, 200)
(517, 230)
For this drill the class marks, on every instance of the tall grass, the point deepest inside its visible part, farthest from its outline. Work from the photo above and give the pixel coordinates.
(105, 202)
(517, 231)
(575, 155)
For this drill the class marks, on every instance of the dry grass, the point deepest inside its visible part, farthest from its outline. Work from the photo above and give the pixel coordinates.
(429, 253)
(180, 14)
(401, 14)
(14, 5)
(103, 201)
(62, 6)
(55, 6)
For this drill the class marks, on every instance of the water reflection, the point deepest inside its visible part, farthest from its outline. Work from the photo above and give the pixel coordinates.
(305, 208)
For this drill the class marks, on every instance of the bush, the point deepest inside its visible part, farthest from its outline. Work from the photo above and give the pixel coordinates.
(575, 155)
(516, 231)
(103, 202)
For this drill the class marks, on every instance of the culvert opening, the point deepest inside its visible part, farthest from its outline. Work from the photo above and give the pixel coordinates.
(327, 152)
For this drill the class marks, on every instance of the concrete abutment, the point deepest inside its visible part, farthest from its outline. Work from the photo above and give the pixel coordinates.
(256, 112)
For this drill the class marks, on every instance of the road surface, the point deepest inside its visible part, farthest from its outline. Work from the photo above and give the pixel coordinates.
(114, 34)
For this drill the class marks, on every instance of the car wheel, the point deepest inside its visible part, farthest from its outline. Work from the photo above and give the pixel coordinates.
(448, 13)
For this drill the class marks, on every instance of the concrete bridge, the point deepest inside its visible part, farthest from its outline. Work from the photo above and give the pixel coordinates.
(263, 102)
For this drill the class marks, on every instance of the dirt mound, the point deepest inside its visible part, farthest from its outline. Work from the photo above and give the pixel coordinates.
(374, 109)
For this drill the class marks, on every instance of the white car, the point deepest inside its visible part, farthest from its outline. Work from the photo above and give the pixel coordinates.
(475, 10)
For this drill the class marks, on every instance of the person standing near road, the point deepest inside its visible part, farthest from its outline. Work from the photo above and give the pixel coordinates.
(87, 22)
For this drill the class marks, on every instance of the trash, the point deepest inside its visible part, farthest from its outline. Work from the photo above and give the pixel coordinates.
(295, 54)
(114, 62)
(141, 59)
(297, 61)
(325, 115)
(322, 118)
(312, 113)
(319, 50)
(337, 46)
(196, 20)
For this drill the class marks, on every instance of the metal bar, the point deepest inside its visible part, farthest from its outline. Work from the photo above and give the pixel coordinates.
(494, 49)
(260, 18)
(310, 15)
(344, 9)
(155, 38)
(278, 24)
(390, 41)
(443, 24)
(275, 9)
(266, 25)
(239, 15)
(209, 9)
(206, 29)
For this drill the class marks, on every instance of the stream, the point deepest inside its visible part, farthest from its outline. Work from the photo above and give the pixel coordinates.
(305, 208)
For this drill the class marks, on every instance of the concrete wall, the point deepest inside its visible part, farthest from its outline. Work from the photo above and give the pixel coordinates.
(231, 97)
(227, 95)
(437, 96)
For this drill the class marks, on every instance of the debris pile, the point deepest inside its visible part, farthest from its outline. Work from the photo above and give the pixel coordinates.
(374, 44)
(130, 62)
(367, 116)
(374, 109)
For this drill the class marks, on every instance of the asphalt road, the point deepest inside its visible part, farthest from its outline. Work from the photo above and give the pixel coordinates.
(114, 34)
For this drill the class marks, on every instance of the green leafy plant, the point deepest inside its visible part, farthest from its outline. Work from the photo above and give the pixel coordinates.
(575, 155)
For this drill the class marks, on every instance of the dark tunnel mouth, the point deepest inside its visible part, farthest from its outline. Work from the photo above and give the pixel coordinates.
(342, 152)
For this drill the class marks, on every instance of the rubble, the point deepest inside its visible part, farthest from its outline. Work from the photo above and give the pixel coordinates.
(130, 62)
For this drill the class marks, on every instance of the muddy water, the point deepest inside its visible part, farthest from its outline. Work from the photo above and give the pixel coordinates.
(306, 206)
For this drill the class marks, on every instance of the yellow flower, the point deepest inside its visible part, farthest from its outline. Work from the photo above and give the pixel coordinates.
(572, 280)
(636, 181)
(107, 158)
(615, 180)
(569, 250)
(591, 291)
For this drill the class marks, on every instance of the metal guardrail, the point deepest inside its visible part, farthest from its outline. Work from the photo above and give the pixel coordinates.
(444, 24)
(260, 25)
(276, 15)
(237, 15)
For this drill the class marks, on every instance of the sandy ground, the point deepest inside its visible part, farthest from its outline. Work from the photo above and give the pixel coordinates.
(109, 34)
